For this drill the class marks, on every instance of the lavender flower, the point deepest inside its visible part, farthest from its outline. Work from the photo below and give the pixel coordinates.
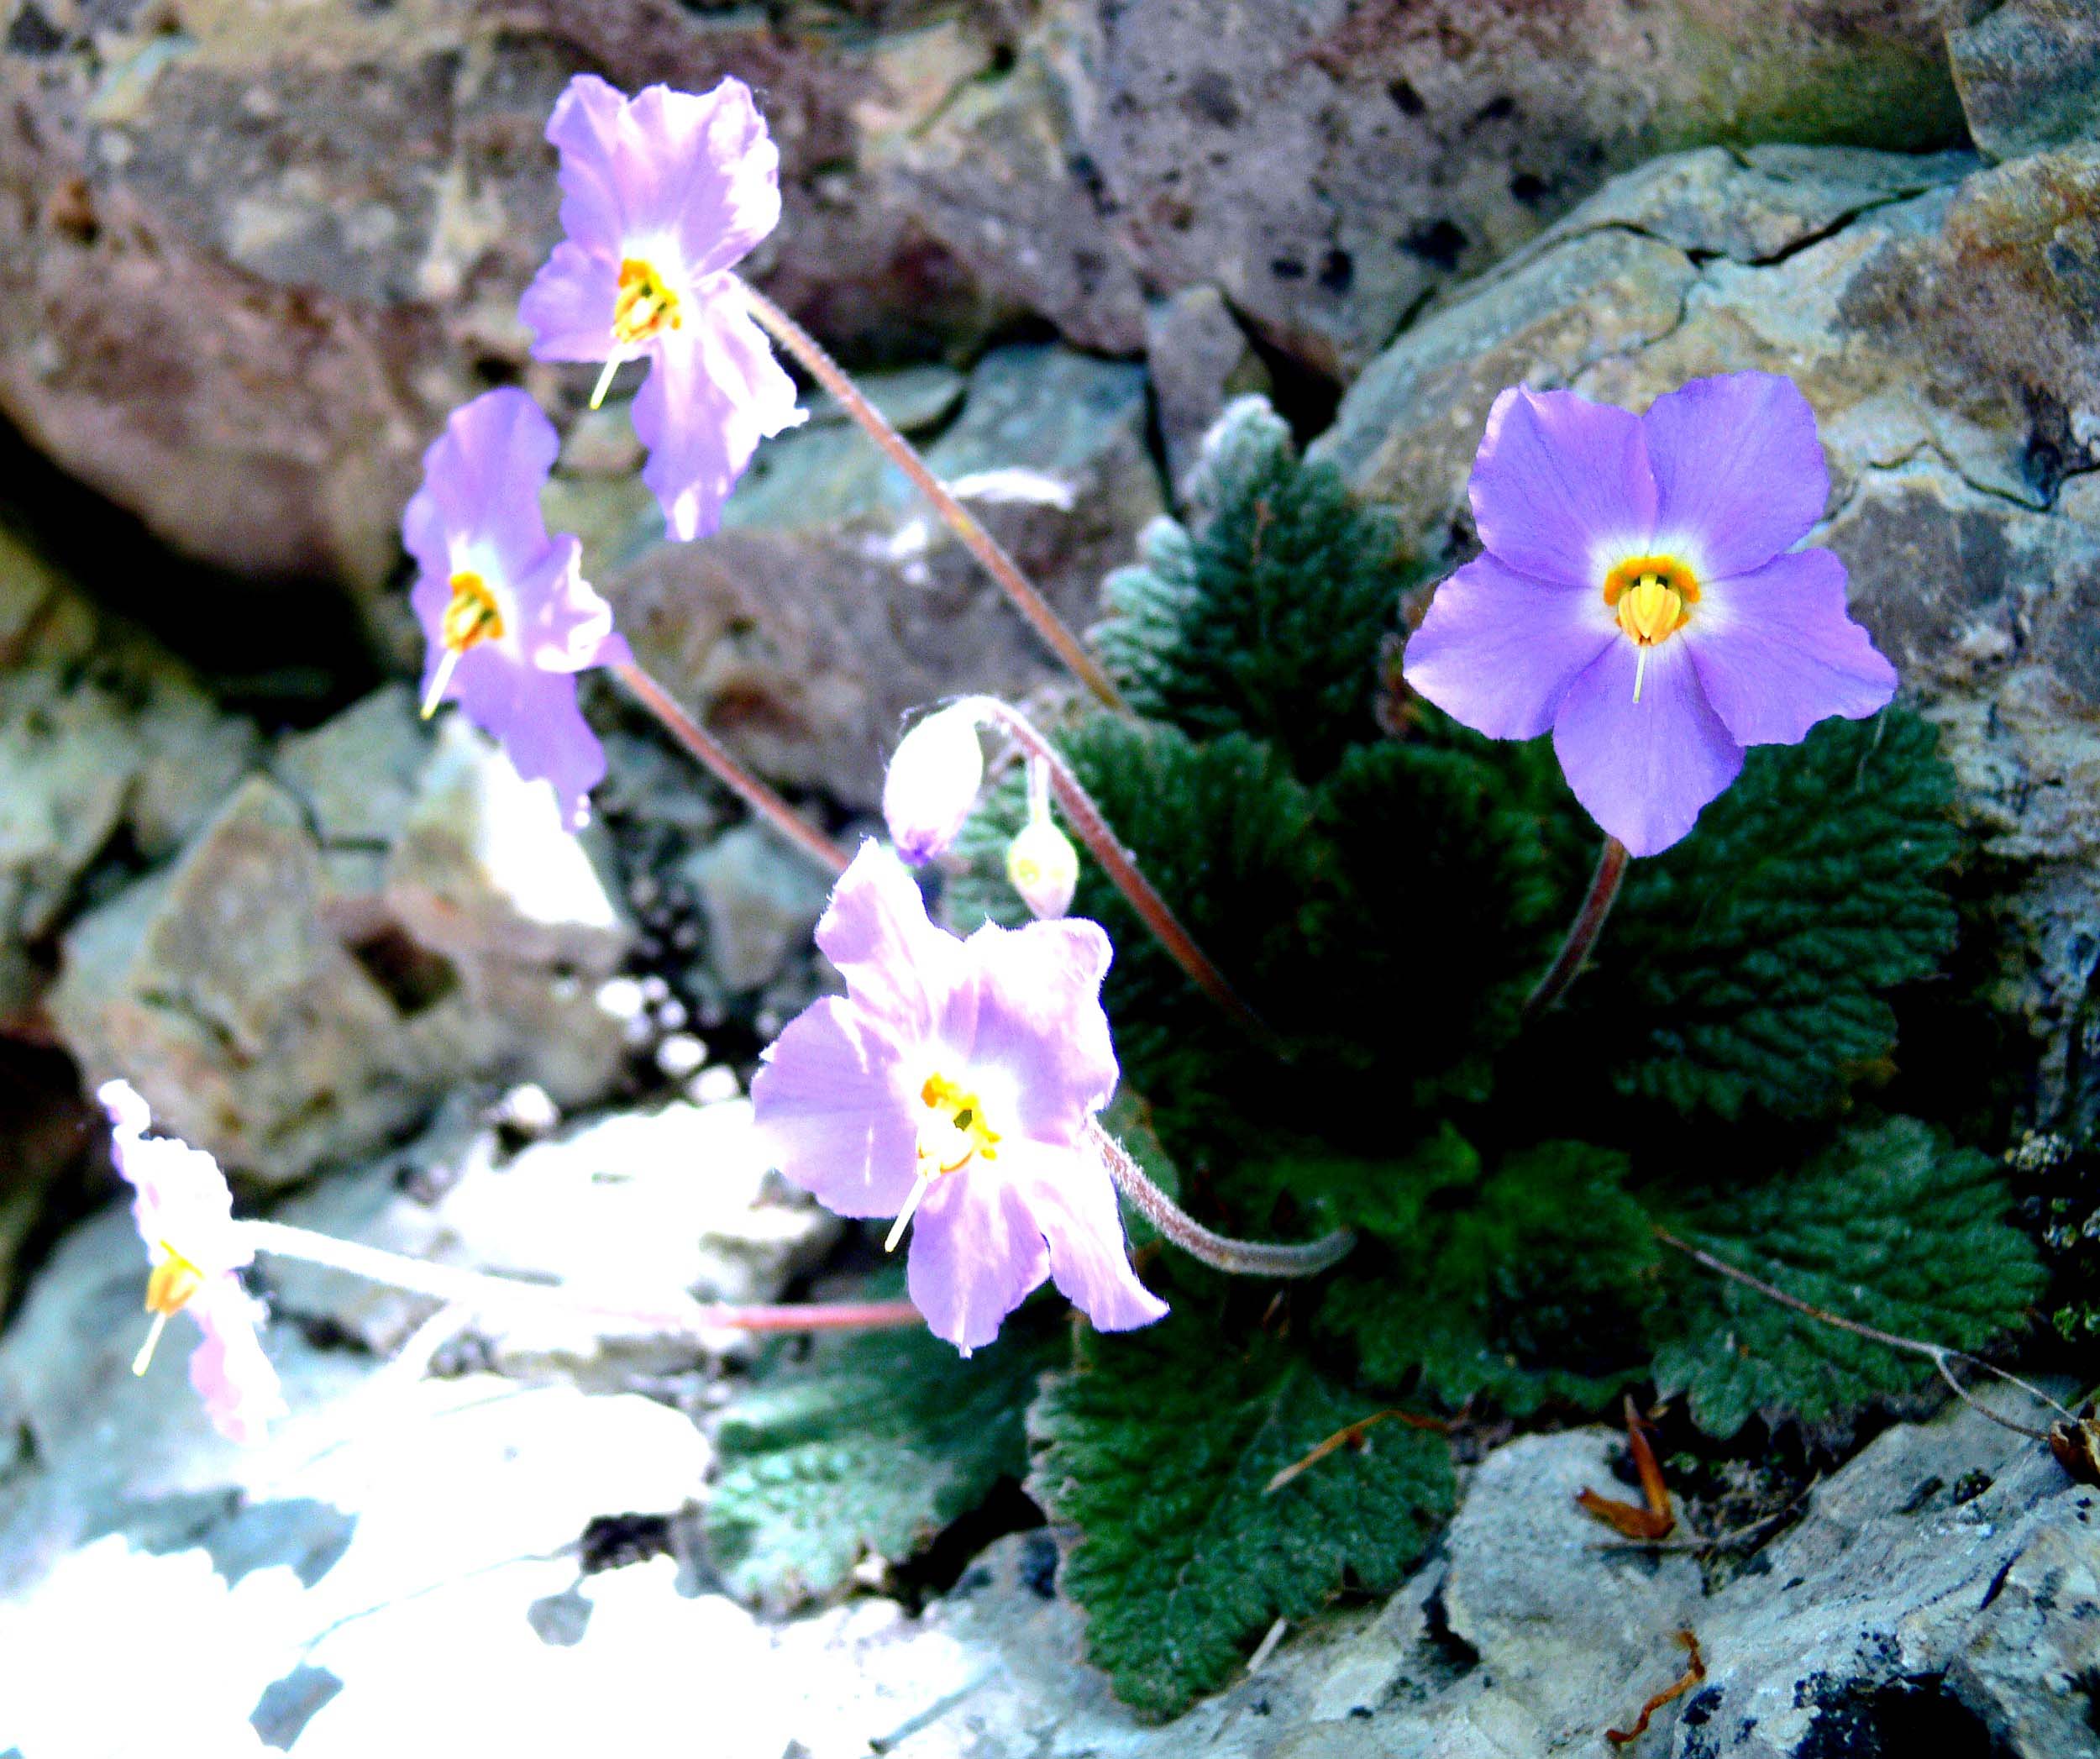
(184, 1215)
(932, 782)
(1636, 595)
(951, 1088)
(508, 617)
(661, 193)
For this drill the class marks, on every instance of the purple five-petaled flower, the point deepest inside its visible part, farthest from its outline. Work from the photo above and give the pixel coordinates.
(184, 1215)
(662, 193)
(1638, 595)
(952, 1087)
(508, 617)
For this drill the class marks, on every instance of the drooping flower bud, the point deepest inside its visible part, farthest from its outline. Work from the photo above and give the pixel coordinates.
(1043, 868)
(934, 776)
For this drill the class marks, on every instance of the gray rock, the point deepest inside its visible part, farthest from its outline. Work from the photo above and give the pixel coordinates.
(345, 943)
(759, 898)
(1935, 316)
(101, 731)
(285, 247)
(1199, 360)
(833, 601)
(2029, 75)
(632, 1210)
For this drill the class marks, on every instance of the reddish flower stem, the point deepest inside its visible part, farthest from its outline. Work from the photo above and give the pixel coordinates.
(1589, 922)
(1238, 1257)
(711, 754)
(987, 549)
(479, 1291)
(1118, 863)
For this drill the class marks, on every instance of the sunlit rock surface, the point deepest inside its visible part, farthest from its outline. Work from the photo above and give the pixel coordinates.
(351, 936)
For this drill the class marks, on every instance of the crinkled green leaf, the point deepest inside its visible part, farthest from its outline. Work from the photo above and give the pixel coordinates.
(1537, 1288)
(1746, 967)
(1893, 1227)
(1152, 1456)
(1268, 617)
(870, 1445)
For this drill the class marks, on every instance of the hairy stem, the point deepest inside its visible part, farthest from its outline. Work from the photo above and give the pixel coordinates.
(1239, 1258)
(1117, 861)
(475, 1291)
(709, 752)
(987, 549)
(1939, 1355)
(1588, 924)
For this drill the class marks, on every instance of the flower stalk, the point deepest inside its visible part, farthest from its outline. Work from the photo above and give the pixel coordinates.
(1582, 935)
(1053, 630)
(479, 1291)
(712, 755)
(1117, 861)
(1236, 1257)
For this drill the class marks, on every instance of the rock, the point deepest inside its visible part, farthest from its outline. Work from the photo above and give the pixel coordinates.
(833, 601)
(1326, 167)
(634, 1209)
(2029, 75)
(1199, 360)
(104, 738)
(345, 943)
(248, 260)
(1936, 317)
(760, 899)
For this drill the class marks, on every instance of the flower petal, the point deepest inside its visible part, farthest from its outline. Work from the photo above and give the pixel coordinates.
(1499, 649)
(240, 1390)
(932, 782)
(826, 1105)
(1074, 1201)
(1776, 651)
(480, 485)
(569, 305)
(569, 626)
(180, 1199)
(715, 392)
(533, 716)
(1560, 482)
(1039, 1018)
(1739, 470)
(976, 1253)
(720, 170)
(1644, 769)
(901, 969)
(586, 127)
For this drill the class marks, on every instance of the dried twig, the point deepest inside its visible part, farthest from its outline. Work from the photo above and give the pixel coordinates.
(1348, 1437)
(1939, 1355)
(1653, 1520)
(1694, 1672)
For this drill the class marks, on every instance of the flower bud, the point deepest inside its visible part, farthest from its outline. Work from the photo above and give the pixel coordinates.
(1043, 867)
(934, 776)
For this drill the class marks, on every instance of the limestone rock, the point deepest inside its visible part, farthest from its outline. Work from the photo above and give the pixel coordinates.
(345, 942)
(760, 899)
(1938, 318)
(833, 601)
(103, 735)
(2029, 75)
(633, 1209)
(1199, 360)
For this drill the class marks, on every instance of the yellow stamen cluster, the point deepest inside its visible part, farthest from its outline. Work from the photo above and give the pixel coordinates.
(173, 1280)
(956, 1130)
(643, 307)
(473, 616)
(169, 1285)
(1653, 596)
(954, 1133)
